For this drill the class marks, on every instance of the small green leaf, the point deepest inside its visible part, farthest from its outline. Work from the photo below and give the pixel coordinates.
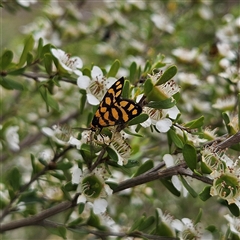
(112, 154)
(164, 104)
(188, 187)
(76, 221)
(234, 209)
(49, 100)
(29, 43)
(137, 223)
(114, 69)
(139, 119)
(70, 187)
(10, 84)
(226, 121)
(59, 231)
(175, 138)
(48, 63)
(144, 168)
(94, 221)
(59, 176)
(64, 165)
(146, 224)
(190, 156)
(197, 123)
(198, 218)
(131, 164)
(39, 48)
(126, 89)
(6, 60)
(131, 133)
(168, 184)
(133, 72)
(14, 178)
(83, 100)
(81, 207)
(147, 66)
(29, 59)
(167, 75)
(148, 86)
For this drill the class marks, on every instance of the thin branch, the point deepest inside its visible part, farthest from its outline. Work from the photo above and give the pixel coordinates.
(31, 139)
(7, 209)
(35, 220)
(145, 178)
(232, 140)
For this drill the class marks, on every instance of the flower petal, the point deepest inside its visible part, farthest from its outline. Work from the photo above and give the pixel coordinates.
(96, 73)
(76, 175)
(83, 82)
(100, 206)
(163, 125)
(92, 99)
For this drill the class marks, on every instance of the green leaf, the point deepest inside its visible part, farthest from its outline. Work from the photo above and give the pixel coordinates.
(70, 187)
(234, 209)
(126, 89)
(59, 176)
(165, 104)
(144, 168)
(198, 218)
(29, 59)
(131, 133)
(48, 63)
(146, 224)
(190, 156)
(133, 72)
(6, 60)
(94, 221)
(197, 123)
(81, 207)
(139, 119)
(83, 100)
(10, 84)
(168, 184)
(76, 221)
(30, 197)
(49, 100)
(131, 163)
(148, 86)
(59, 231)
(14, 178)
(114, 69)
(137, 223)
(188, 187)
(112, 154)
(64, 165)
(226, 121)
(29, 43)
(175, 138)
(39, 48)
(167, 75)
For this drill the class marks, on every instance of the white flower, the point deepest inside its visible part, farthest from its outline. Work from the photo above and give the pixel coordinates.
(121, 147)
(12, 138)
(62, 136)
(92, 187)
(71, 64)
(97, 86)
(26, 3)
(159, 118)
(187, 230)
(162, 23)
(170, 162)
(234, 224)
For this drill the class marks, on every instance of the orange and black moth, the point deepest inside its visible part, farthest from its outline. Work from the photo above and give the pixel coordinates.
(114, 110)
